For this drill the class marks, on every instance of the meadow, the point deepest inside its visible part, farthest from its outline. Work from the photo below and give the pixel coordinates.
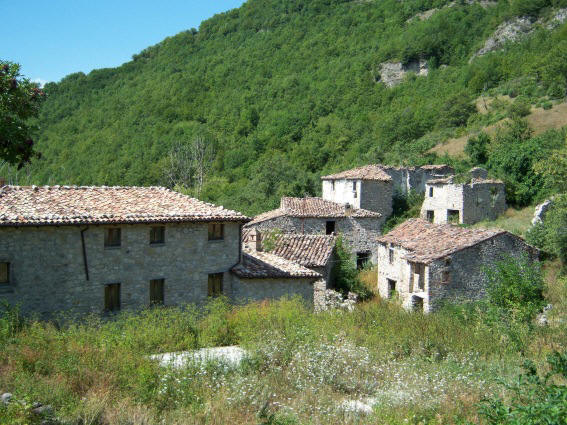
(302, 367)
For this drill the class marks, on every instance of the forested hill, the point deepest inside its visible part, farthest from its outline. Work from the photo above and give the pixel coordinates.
(287, 90)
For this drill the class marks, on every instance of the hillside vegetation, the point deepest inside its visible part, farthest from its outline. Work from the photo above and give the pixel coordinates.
(280, 92)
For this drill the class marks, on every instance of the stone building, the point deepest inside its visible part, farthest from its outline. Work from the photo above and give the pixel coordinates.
(465, 203)
(373, 187)
(315, 252)
(266, 276)
(358, 226)
(91, 249)
(426, 264)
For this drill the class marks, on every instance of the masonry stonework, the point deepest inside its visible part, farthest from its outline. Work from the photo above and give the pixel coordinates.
(256, 289)
(47, 270)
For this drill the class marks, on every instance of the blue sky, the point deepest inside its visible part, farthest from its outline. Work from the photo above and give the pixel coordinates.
(53, 38)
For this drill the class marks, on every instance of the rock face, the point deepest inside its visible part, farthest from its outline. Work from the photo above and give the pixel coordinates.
(393, 73)
(512, 31)
(334, 300)
(541, 210)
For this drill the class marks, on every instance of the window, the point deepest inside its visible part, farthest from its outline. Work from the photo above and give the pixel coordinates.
(216, 231)
(332, 185)
(418, 275)
(112, 297)
(4, 273)
(430, 192)
(112, 237)
(361, 259)
(157, 235)
(453, 216)
(445, 276)
(354, 194)
(430, 216)
(391, 288)
(215, 284)
(417, 303)
(330, 227)
(156, 291)
(391, 255)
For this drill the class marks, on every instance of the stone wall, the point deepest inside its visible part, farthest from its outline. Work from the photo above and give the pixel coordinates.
(475, 202)
(48, 274)
(406, 179)
(245, 290)
(359, 233)
(372, 195)
(342, 191)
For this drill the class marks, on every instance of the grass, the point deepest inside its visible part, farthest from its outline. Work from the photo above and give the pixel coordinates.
(514, 220)
(302, 367)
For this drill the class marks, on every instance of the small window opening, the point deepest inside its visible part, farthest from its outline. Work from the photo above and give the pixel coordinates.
(4, 273)
(391, 255)
(215, 284)
(157, 235)
(354, 194)
(112, 297)
(430, 192)
(361, 259)
(391, 288)
(430, 215)
(453, 216)
(332, 185)
(156, 291)
(112, 237)
(417, 303)
(330, 227)
(445, 276)
(216, 231)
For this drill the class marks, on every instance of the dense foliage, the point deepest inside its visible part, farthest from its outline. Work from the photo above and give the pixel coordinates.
(286, 91)
(19, 102)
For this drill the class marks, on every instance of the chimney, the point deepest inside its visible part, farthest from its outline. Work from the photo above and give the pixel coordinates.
(253, 241)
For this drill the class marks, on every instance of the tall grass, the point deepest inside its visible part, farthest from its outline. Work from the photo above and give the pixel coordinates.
(302, 366)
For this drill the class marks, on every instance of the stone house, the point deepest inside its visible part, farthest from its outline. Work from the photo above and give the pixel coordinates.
(466, 203)
(426, 264)
(373, 187)
(95, 249)
(266, 276)
(315, 252)
(316, 216)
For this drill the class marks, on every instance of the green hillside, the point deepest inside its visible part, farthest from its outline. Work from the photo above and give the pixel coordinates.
(285, 91)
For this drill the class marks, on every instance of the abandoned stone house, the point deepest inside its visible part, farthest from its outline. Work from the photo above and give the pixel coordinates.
(373, 187)
(426, 264)
(315, 252)
(317, 216)
(91, 249)
(466, 203)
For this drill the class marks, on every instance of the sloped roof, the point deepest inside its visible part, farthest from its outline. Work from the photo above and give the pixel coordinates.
(313, 207)
(307, 250)
(61, 205)
(367, 172)
(426, 241)
(257, 265)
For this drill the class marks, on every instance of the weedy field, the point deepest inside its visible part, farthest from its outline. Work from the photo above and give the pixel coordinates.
(302, 368)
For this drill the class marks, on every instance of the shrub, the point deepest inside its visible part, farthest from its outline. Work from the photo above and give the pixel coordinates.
(547, 106)
(345, 274)
(515, 288)
(535, 399)
(404, 206)
(519, 109)
(477, 148)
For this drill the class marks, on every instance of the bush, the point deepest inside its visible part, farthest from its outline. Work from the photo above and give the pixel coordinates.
(344, 273)
(519, 109)
(547, 106)
(535, 399)
(404, 206)
(477, 149)
(515, 288)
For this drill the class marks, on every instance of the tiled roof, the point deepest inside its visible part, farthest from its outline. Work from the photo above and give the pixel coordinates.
(257, 265)
(60, 205)
(427, 241)
(307, 250)
(313, 207)
(451, 180)
(379, 172)
(368, 172)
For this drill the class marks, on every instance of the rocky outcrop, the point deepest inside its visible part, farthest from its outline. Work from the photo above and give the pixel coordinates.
(541, 210)
(518, 28)
(334, 300)
(393, 73)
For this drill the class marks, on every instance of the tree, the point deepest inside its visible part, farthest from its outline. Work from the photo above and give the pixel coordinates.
(19, 102)
(554, 170)
(477, 148)
(202, 156)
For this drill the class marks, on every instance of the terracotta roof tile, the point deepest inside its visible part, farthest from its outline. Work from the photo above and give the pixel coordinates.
(59, 205)
(307, 250)
(257, 265)
(368, 172)
(427, 241)
(313, 207)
